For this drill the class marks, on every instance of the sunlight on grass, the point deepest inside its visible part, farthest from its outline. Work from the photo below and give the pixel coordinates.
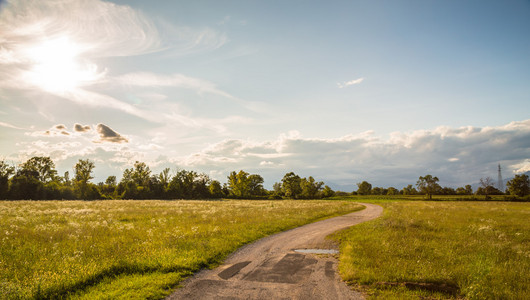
(132, 249)
(441, 250)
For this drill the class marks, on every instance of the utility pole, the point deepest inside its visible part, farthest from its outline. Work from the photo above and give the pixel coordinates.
(500, 182)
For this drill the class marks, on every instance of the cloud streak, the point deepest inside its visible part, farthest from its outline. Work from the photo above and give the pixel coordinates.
(350, 83)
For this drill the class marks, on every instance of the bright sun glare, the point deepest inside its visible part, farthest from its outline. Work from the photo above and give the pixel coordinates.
(57, 66)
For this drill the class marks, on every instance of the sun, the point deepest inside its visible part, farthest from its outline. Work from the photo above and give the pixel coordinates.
(57, 66)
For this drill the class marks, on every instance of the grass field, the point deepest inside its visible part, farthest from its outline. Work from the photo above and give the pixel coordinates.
(131, 249)
(439, 250)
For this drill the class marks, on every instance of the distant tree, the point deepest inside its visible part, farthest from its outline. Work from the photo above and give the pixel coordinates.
(127, 176)
(392, 191)
(108, 188)
(66, 179)
(165, 178)
(377, 191)
(83, 174)
(291, 185)
(44, 167)
(409, 190)
(181, 185)
(25, 184)
(448, 191)
(519, 185)
(244, 185)
(327, 192)
(428, 185)
(460, 191)
(141, 174)
(256, 185)
(5, 173)
(469, 190)
(239, 184)
(277, 191)
(216, 190)
(364, 188)
(310, 188)
(189, 185)
(487, 186)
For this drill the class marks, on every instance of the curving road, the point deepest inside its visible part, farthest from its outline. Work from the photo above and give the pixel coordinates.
(270, 268)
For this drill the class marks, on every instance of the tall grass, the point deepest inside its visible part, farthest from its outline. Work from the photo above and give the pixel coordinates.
(421, 250)
(131, 249)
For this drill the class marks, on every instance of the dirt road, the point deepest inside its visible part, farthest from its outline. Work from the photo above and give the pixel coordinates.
(271, 268)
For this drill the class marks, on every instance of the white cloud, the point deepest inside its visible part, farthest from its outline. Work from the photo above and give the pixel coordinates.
(521, 167)
(457, 156)
(349, 83)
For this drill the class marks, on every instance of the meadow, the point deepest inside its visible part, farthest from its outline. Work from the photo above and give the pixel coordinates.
(440, 250)
(132, 249)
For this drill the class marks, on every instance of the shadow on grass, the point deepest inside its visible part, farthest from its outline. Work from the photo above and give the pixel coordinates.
(446, 288)
(63, 291)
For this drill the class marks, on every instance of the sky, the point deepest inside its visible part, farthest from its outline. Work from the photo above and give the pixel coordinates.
(344, 91)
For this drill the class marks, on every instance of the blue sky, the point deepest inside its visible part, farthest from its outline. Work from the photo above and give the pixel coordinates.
(345, 91)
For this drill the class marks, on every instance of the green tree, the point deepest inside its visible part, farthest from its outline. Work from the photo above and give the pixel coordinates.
(487, 186)
(377, 191)
(165, 178)
(189, 185)
(428, 185)
(5, 172)
(519, 185)
(83, 174)
(44, 166)
(277, 192)
(216, 190)
(327, 192)
(108, 188)
(392, 191)
(241, 184)
(409, 190)
(25, 184)
(364, 188)
(469, 189)
(310, 188)
(466, 190)
(291, 185)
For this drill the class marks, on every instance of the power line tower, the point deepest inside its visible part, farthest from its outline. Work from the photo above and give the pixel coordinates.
(500, 182)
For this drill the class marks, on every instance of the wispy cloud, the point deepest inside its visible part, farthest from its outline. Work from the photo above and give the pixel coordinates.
(349, 83)
(146, 79)
(4, 124)
(91, 29)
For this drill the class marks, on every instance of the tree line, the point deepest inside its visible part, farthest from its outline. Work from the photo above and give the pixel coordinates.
(37, 178)
(428, 185)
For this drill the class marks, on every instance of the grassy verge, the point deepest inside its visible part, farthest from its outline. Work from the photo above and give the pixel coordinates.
(131, 249)
(439, 250)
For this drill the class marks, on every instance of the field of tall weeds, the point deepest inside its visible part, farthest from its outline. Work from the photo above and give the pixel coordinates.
(440, 250)
(132, 249)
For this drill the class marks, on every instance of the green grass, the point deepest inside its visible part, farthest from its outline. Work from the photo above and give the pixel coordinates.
(439, 250)
(481, 198)
(131, 249)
